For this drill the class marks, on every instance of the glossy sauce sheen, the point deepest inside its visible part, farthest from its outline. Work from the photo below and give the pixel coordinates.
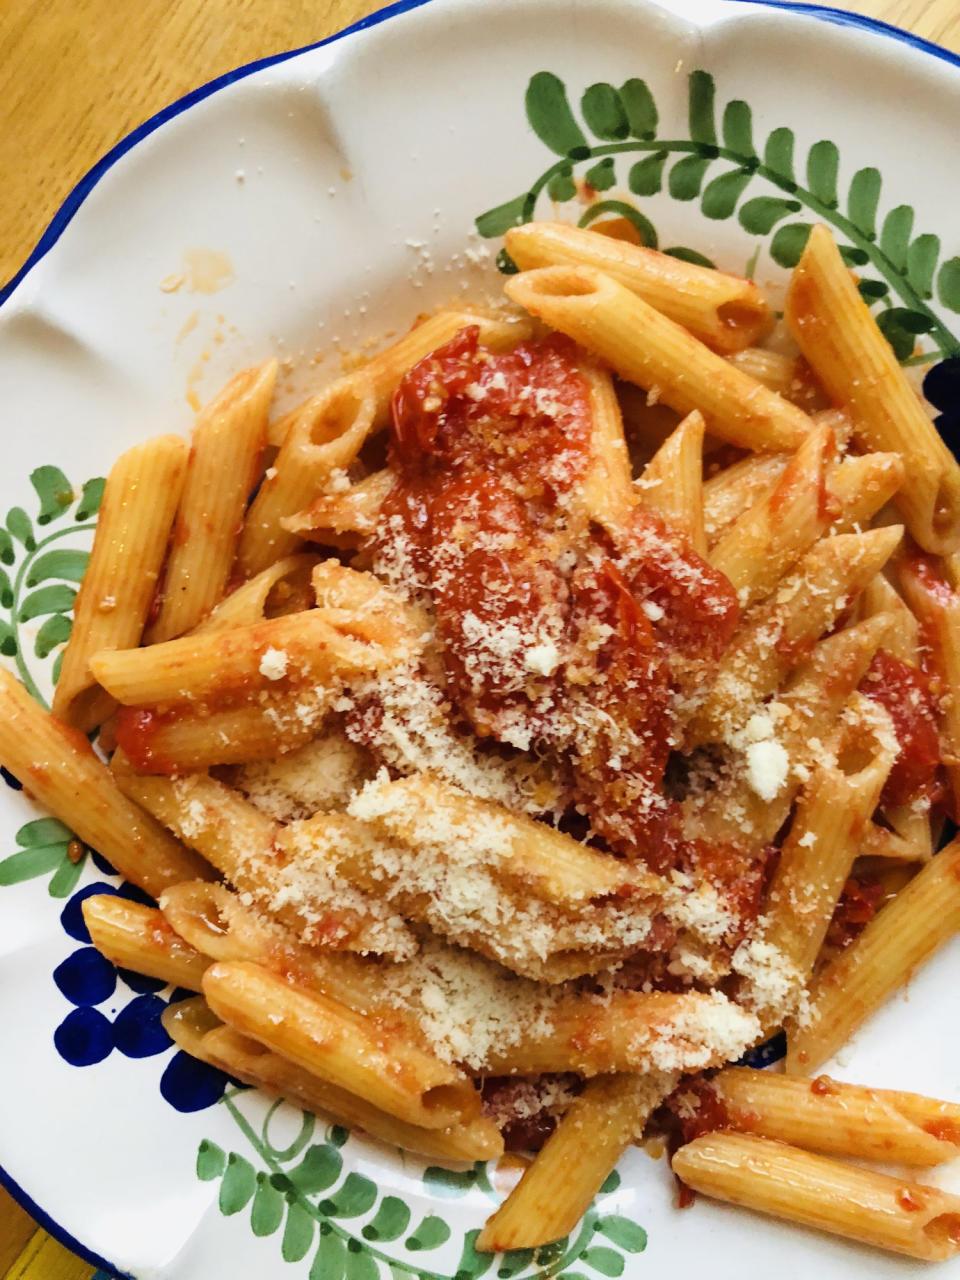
(904, 691)
(490, 452)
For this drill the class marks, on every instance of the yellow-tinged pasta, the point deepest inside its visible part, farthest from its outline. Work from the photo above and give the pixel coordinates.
(651, 350)
(254, 853)
(239, 662)
(321, 442)
(133, 528)
(672, 481)
(193, 1028)
(726, 312)
(807, 709)
(771, 536)
(787, 375)
(605, 494)
(57, 765)
(224, 460)
(422, 809)
(896, 942)
(936, 605)
(880, 596)
(188, 739)
(856, 364)
(630, 1031)
(727, 494)
(279, 590)
(825, 835)
(862, 485)
(591, 1136)
(841, 1119)
(136, 937)
(777, 633)
(327, 1038)
(872, 1208)
(351, 511)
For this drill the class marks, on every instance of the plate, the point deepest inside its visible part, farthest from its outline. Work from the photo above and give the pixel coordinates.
(305, 206)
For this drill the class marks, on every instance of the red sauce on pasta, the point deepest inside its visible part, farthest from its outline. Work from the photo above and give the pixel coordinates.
(558, 635)
(904, 691)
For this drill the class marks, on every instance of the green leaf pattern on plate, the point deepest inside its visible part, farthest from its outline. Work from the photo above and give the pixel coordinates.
(731, 173)
(305, 1194)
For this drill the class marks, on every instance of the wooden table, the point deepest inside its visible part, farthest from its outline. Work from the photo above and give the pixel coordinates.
(75, 76)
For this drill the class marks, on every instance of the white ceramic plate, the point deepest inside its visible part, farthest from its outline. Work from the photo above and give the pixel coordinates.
(301, 207)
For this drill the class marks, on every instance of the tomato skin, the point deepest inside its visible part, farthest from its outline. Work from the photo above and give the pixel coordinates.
(904, 691)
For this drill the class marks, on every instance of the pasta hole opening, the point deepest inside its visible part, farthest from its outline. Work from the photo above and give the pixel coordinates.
(943, 1232)
(337, 416)
(741, 315)
(854, 756)
(563, 284)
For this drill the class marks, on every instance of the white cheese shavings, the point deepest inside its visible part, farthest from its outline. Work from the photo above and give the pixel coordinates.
(543, 659)
(274, 664)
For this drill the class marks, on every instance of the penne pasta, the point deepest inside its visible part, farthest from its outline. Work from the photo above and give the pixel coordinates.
(57, 765)
(224, 460)
(651, 350)
(724, 311)
(894, 945)
(856, 364)
(672, 482)
(113, 603)
(136, 937)
(840, 1119)
(558, 1188)
(872, 1208)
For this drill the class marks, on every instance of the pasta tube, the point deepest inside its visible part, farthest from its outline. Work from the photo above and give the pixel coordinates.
(724, 311)
(672, 482)
(112, 605)
(224, 459)
(135, 937)
(902, 937)
(872, 1208)
(58, 767)
(558, 1188)
(332, 1041)
(841, 1119)
(843, 345)
(651, 350)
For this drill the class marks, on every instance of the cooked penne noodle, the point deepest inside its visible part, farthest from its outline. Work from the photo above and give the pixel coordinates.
(224, 459)
(244, 845)
(320, 444)
(199, 1033)
(779, 632)
(788, 376)
(57, 765)
(606, 493)
(880, 596)
(133, 528)
(241, 661)
(771, 536)
(826, 833)
(354, 510)
(672, 482)
(558, 1188)
(841, 1119)
(726, 312)
(872, 1208)
(862, 486)
(276, 591)
(188, 739)
(729, 493)
(328, 1039)
(136, 937)
(894, 945)
(629, 1031)
(856, 364)
(649, 349)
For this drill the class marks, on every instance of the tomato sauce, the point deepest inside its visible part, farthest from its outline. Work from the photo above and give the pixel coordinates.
(568, 641)
(904, 691)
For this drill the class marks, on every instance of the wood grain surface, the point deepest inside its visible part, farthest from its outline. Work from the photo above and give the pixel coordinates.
(75, 77)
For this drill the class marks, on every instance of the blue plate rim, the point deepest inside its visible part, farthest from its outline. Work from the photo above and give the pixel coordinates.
(78, 194)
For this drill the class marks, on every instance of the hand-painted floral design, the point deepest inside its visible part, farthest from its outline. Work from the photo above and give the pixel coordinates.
(719, 163)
